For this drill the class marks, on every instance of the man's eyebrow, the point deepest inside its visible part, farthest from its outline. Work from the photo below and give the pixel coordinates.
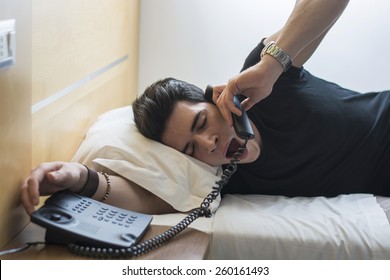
(196, 118)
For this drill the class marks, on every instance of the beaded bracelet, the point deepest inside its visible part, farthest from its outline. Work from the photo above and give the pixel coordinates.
(91, 185)
(108, 190)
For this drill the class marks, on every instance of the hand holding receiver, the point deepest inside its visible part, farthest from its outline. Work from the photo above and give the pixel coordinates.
(241, 124)
(255, 83)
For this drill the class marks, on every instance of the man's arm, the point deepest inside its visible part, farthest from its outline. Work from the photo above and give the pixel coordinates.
(128, 195)
(307, 25)
(51, 177)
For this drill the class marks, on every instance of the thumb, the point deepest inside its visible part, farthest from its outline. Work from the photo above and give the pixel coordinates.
(247, 104)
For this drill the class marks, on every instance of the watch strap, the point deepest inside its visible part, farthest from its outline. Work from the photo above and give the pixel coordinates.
(276, 52)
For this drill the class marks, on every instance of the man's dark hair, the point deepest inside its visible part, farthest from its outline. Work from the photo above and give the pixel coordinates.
(153, 108)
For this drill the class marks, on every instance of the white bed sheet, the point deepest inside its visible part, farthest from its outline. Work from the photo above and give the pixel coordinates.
(273, 227)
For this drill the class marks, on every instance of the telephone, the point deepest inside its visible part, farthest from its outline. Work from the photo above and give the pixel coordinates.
(70, 218)
(95, 229)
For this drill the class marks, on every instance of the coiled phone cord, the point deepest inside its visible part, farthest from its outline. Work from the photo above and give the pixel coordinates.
(157, 241)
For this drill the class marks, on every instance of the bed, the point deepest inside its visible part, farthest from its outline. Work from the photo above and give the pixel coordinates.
(352, 226)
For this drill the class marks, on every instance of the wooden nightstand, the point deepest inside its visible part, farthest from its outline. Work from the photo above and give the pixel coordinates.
(190, 244)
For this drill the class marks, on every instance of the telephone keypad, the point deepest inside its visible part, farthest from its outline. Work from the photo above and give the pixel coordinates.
(115, 217)
(82, 205)
(102, 213)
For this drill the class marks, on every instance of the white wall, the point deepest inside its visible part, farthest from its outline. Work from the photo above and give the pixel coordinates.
(206, 41)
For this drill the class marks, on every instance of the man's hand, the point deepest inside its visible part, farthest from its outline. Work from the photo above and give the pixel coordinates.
(255, 83)
(51, 177)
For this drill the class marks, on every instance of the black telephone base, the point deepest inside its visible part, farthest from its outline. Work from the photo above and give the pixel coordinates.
(71, 218)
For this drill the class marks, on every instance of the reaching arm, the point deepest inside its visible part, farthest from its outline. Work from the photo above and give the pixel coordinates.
(307, 25)
(51, 177)
(128, 195)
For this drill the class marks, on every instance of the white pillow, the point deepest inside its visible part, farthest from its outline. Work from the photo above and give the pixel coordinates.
(113, 142)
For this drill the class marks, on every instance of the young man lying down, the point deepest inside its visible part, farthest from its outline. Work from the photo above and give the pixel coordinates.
(312, 137)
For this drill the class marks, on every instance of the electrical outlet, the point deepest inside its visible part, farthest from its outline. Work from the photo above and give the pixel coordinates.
(7, 43)
(4, 49)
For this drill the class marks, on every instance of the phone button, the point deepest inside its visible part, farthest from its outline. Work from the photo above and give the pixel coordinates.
(55, 217)
(128, 237)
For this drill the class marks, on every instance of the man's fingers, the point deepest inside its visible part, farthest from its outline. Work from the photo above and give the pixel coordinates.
(29, 201)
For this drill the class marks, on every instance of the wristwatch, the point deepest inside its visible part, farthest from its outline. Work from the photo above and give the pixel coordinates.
(273, 50)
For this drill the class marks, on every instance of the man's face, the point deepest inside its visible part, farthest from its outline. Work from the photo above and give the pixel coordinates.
(199, 130)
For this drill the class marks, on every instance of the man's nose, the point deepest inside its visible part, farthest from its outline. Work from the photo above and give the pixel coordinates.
(208, 142)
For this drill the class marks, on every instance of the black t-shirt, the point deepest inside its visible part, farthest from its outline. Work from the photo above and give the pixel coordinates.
(318, 139)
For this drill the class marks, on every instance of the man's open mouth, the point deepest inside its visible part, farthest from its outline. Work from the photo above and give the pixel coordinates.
(232, 148)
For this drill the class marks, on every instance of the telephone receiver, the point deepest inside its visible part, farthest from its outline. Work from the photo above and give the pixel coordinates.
(241, 124)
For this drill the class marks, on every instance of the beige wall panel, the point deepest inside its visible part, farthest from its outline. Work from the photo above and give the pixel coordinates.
(15, 120)
(59, 129)
(58, 44)
(73, 38)
(133, 51)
